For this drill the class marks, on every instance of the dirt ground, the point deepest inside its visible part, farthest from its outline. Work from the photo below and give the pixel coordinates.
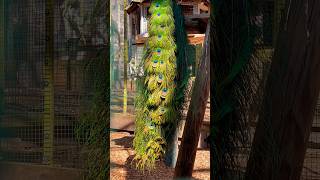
(121, 156)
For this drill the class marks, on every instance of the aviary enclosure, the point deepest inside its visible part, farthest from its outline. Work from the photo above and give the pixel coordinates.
(57, 87)
(54, 81)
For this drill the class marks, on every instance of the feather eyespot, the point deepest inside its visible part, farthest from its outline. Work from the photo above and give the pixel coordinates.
(159, 51)
(155, 63)
(160, 78)
(164, 93)
(162, 110)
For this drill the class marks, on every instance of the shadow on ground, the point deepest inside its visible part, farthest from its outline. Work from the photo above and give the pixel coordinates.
(125, 142)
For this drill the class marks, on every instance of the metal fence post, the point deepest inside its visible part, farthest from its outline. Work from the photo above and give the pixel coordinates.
(48, 117)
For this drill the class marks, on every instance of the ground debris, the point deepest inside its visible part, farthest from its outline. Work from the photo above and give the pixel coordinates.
(121, 155)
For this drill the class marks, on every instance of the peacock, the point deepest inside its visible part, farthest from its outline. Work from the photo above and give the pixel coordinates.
(156, 110)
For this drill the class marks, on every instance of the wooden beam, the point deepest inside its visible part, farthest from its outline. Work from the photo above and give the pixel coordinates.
(131, 7)
(195, 116)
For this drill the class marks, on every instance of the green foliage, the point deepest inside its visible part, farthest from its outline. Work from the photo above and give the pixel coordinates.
(155, 103)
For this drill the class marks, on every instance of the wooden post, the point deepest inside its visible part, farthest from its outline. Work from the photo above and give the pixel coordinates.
(290, 97)
(48, 116)
(125, 58)
(195, 115)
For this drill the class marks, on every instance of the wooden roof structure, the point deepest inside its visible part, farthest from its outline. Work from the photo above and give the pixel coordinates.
(134, 4)
(196, 18)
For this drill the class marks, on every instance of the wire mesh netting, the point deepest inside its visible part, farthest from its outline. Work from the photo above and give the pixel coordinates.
(269, 21)
(48, 77)
(43, 103)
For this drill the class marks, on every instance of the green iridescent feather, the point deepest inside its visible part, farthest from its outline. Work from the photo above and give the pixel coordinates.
(155, 107)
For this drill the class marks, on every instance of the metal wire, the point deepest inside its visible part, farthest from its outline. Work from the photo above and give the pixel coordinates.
(27, 80)
(271, 12)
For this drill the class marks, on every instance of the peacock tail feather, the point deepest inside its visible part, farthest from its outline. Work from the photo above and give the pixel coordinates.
(155, 108)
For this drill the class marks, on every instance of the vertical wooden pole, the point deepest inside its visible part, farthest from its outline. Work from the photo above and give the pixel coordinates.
(195, 115)
(48, 117)
(125, 58)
